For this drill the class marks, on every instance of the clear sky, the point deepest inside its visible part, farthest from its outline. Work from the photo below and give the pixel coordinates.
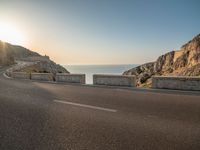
(102, 31)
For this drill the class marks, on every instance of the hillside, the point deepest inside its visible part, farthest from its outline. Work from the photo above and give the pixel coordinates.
(183, 62)
(10, 54)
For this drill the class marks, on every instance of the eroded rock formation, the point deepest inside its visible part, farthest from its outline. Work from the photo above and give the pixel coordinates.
(184, 62)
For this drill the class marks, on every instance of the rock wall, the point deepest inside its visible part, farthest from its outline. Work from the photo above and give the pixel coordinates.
(176, 83)
(42, 76)
(114, 80)
(21, 75)
(70, 78)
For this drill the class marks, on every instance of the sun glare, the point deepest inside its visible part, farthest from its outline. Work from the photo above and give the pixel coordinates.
(9, 33)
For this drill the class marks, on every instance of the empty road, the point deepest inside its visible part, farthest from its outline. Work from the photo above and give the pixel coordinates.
(46, 116)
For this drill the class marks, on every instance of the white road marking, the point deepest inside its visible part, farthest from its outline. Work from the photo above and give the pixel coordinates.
(86, 106)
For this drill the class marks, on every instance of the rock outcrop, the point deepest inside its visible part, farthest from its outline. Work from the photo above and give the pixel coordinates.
(10, 54)
(184, 62)
(44, 66)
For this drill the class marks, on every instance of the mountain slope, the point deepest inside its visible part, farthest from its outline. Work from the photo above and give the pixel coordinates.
(184, 62)
(9, 54)
(14, 51)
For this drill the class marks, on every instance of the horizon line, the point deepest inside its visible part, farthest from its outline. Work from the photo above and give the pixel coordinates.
(98, 64)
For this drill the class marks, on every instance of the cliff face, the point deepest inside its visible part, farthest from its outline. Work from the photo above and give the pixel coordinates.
(9, 54)
(184, 62)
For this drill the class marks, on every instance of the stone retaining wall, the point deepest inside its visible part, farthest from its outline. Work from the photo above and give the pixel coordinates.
(114, 80)
(70, 78)
(176, 83)
(20, 75)
(42, 76)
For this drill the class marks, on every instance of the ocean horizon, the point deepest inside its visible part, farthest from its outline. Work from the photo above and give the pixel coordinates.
(89, 70)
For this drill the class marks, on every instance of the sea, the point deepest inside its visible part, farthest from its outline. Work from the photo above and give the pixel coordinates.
(89, 70)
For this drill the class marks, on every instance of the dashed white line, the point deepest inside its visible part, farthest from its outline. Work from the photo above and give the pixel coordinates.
(86, 106)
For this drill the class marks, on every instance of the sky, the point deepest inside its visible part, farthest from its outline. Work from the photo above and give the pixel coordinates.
(101, 31)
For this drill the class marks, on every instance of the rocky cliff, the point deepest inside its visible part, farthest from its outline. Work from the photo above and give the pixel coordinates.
(183, 62)
(10, 54)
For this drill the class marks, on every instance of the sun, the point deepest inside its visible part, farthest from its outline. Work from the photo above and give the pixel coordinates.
(9, 33)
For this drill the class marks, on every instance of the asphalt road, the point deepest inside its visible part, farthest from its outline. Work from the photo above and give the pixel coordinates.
(45, 116)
